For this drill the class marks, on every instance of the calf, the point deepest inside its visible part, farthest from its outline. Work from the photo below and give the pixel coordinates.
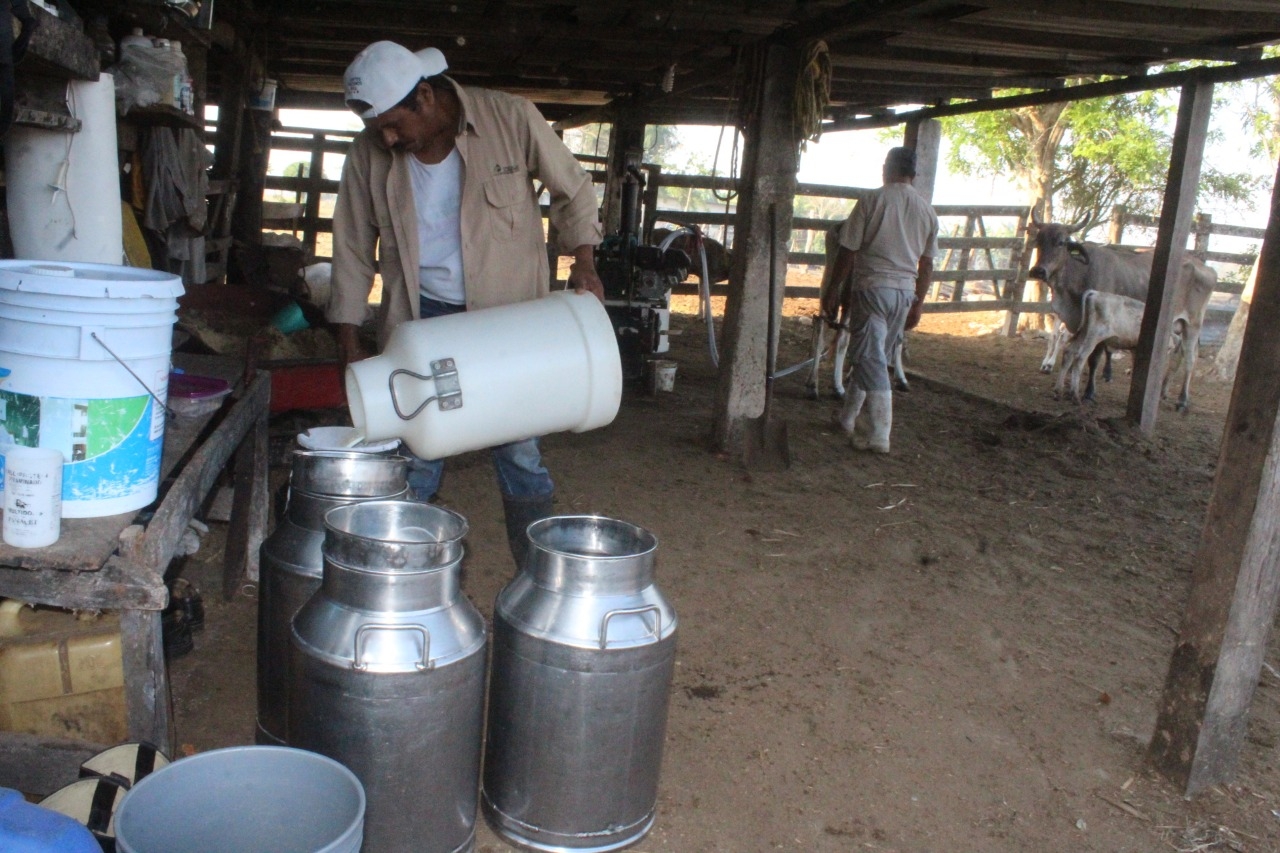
(832, 333)
(1109, 322)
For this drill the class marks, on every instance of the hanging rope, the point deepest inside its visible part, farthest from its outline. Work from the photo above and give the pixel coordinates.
(813, 93)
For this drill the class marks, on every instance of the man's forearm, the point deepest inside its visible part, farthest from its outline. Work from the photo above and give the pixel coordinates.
(924, 278)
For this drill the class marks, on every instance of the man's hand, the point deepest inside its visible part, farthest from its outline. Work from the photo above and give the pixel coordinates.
(913, 315)
(349, 348)
(582, 274)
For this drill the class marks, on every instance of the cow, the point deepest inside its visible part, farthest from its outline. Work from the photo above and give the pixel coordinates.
(718, 257)
(832, 333)
(1070, 268)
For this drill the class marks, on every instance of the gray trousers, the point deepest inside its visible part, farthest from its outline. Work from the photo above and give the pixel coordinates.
(877, 317)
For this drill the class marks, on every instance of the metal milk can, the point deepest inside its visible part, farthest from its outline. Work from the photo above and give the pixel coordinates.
(583, 651)
(291, 563)
(392, 673)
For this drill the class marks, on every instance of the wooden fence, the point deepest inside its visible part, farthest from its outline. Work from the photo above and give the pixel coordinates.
(984, 265)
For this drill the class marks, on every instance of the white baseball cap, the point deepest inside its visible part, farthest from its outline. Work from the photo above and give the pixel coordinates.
(383, 73)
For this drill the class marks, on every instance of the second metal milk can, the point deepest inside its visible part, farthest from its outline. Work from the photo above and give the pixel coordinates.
(291, 562)
(583, 653)
(392, 673)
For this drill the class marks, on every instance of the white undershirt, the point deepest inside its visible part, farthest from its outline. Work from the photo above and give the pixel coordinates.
(437, 195)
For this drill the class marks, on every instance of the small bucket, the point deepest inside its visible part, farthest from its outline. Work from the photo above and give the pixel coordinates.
(245, 799)
(264, 98)
(662, 375)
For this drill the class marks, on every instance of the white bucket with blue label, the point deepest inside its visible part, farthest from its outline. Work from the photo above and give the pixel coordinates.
(86, 348)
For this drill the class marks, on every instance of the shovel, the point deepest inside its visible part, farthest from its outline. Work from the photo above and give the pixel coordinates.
(765, 447)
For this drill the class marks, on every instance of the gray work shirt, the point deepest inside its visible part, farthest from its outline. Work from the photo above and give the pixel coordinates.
(891, 229)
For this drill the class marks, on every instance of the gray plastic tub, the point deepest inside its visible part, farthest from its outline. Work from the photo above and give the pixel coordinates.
(245, 799)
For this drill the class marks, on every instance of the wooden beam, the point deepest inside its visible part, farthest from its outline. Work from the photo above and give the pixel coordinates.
(770, 160)
(1151, 358)
(1128, 85)
(1235, 579)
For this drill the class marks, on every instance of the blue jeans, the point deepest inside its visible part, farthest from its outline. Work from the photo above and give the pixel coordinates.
(518, 465)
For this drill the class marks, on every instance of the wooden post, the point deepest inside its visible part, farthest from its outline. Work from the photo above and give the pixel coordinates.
(957, 286)
(770, 159)
(1203, 228)
(651, 201)
(1235, 579)
(626, 148)
(315, 177)
(1152, 355)
(926, 138)
(1019, 260)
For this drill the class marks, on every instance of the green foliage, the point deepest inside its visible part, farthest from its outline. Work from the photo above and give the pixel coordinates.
(1262, 111)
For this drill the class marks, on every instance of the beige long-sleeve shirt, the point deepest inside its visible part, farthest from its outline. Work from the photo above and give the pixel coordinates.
(505, 145)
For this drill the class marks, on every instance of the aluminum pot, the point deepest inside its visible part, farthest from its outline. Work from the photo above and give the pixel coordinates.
(391, 673)
(583, 654)
(291, 565)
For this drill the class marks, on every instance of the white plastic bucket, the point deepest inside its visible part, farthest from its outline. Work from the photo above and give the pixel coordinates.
(522, 370)
(87, 349)
(244, 799)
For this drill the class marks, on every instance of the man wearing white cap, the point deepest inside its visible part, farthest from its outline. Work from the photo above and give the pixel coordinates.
(886, 254)
(437, 195)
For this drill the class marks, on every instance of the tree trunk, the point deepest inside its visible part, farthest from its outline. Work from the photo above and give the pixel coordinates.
(1229, 354)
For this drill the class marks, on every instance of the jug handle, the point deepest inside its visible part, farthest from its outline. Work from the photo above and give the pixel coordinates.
(628, 611)
(444, 373)
(422, 665)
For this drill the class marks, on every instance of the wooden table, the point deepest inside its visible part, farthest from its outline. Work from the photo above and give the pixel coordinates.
(118, 563)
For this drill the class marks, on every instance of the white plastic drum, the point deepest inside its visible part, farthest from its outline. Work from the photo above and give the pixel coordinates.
(478, 379)
(87, 349)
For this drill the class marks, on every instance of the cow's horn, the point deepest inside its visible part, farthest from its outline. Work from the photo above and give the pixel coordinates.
(1079, 223)
(1035, 217)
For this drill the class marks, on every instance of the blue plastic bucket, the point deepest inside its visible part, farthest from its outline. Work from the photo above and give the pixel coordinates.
(87, 349)
(245, 799)
(28, 828)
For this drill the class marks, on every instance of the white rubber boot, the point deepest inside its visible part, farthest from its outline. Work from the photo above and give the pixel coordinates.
(853, 400)
(879, 414)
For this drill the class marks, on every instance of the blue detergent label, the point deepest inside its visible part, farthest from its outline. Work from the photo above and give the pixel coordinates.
(112, 447)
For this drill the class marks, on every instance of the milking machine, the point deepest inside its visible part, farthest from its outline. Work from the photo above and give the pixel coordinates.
(637, 283)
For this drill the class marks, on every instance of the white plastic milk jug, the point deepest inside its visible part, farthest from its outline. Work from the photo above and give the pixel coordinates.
(478, 379)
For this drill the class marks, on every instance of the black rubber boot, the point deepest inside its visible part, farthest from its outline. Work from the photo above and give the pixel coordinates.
(519, 514)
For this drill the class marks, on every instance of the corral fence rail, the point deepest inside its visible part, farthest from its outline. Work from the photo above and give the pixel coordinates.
(983, 266)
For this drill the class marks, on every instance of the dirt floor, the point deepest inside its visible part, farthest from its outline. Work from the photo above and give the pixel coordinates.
(958, 647)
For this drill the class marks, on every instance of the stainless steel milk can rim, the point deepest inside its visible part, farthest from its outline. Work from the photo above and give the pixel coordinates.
(347, 473)
(538, 533)
(590, 555)
(393, 537)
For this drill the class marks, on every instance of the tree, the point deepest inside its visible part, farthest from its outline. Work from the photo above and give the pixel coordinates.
(1083, 157)
(1262, 111)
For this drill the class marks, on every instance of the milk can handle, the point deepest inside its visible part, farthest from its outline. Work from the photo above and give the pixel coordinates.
(421, 665)
(629, 611)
